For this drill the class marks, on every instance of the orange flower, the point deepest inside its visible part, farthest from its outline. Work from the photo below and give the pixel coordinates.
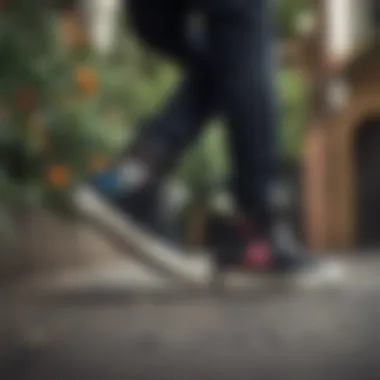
(98, 162)
(86, 79)
(58, 176)
(26, 99)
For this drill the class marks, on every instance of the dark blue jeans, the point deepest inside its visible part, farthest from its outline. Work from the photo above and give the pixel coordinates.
(228, 70)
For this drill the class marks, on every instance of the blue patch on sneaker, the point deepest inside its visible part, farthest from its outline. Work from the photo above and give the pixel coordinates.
(107, 182)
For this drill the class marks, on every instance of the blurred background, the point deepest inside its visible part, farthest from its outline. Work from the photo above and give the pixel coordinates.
(74, 91)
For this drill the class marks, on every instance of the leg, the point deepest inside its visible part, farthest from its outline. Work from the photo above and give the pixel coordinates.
(162, 26)
(240, 52)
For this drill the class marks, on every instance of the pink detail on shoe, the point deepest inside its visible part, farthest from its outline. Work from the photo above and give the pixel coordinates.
(257, 255)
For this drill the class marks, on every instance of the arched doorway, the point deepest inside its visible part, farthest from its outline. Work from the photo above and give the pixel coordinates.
(367, 182)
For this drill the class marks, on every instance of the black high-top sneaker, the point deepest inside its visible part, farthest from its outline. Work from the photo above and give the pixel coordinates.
(237, 244)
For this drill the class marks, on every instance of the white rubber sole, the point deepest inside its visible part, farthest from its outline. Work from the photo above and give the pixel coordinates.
(196, 270)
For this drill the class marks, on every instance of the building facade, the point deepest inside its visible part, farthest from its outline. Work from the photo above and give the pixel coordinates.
(342, 159)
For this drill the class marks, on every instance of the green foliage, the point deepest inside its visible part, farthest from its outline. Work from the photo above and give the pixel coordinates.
(293, 107)
(48, 103)
(133, 83)
(286, 14)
